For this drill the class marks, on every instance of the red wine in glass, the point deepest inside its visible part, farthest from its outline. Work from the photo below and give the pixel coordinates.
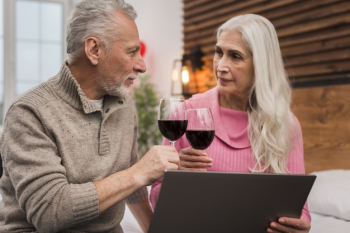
(172, 129)
(200, 128)
(171, 118)
(200, 139)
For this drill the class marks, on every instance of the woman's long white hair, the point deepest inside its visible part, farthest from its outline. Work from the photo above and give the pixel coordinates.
(270, 117)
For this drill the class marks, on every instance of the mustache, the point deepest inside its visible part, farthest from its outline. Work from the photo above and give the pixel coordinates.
(132, 76)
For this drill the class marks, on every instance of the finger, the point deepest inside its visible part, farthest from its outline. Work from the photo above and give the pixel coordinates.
(192, 169)
(192, 151)
(295, 223)
(269, 230)
(161, 152)
(194, 164)
(280, 228)
(173, 158)
(172, 166)
(167, 148)
(194, 158)
(164, 156)
(165, 151)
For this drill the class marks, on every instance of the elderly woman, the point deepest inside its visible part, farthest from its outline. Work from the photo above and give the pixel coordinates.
(255, 130)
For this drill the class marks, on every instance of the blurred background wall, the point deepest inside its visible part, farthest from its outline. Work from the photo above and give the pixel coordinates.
(160, 25)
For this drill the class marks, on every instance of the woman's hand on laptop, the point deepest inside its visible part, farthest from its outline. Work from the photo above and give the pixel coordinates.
(195, 160)
(290, 225)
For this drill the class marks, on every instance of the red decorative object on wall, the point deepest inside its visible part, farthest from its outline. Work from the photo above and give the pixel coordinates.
(143, 48)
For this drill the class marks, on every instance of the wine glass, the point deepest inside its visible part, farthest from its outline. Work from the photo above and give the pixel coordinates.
(200, 128)
(171, 118)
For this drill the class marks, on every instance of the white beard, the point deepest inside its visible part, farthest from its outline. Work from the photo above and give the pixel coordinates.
(119, 91)
(107, 83)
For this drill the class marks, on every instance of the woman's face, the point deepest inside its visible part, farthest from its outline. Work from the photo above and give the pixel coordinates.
(233, 65)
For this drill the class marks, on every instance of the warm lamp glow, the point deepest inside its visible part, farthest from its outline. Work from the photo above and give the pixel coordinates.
(175, 75)
(185, 75)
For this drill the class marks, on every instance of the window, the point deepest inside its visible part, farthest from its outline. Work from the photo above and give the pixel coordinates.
(1, 58)
(34, 42)
(39, 42)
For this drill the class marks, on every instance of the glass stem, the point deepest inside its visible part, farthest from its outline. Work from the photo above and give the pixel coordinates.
(173, 144)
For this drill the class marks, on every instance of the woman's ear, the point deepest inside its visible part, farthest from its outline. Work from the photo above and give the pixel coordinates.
(93, 49)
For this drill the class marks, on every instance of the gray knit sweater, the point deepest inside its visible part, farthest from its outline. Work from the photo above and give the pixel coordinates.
(55, 142)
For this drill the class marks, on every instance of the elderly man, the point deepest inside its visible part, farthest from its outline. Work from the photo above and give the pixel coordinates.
(69, 146)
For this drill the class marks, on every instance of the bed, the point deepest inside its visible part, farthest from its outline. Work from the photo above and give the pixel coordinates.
(329, 202)
(328, 224)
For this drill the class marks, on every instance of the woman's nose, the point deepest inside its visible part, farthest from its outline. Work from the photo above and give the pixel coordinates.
(222, 65)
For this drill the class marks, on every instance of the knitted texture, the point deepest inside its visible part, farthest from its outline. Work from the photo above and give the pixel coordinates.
(55, 143)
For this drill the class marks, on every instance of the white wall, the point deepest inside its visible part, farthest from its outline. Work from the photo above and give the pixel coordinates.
(160, 26)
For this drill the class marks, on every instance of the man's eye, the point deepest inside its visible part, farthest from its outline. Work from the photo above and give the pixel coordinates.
(133, 53)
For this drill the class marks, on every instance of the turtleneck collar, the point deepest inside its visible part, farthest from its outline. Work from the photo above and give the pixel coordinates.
(234, 139)
(70, 91)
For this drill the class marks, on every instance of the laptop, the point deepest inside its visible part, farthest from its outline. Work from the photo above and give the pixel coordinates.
(191, 202)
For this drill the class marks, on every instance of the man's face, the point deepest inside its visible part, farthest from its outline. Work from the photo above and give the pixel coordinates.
(122, 63)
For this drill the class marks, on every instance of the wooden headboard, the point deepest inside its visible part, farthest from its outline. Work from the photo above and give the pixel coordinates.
(324, 115)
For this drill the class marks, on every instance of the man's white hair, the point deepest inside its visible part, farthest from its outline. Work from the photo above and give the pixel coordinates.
(94, 18)
(271, 122)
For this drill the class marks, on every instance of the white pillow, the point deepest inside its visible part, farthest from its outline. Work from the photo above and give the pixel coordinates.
(330, 194)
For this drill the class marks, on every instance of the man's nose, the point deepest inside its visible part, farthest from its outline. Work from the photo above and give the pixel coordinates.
(140, 65)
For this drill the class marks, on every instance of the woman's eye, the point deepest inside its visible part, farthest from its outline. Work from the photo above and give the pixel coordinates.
(236, 56)
(218, 52)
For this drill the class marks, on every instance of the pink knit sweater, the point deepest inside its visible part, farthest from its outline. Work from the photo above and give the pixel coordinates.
(230, 149)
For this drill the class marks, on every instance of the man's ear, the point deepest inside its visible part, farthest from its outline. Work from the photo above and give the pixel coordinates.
(93, 48)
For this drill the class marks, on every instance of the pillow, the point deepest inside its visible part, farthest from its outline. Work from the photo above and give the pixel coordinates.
(330, 194)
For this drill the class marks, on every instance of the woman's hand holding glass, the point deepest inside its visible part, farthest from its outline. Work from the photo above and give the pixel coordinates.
(194, 160)
(200, 133)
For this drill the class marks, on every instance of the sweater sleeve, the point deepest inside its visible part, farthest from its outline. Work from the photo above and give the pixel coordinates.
(142, 193)
(33, 163)
(296, 162)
